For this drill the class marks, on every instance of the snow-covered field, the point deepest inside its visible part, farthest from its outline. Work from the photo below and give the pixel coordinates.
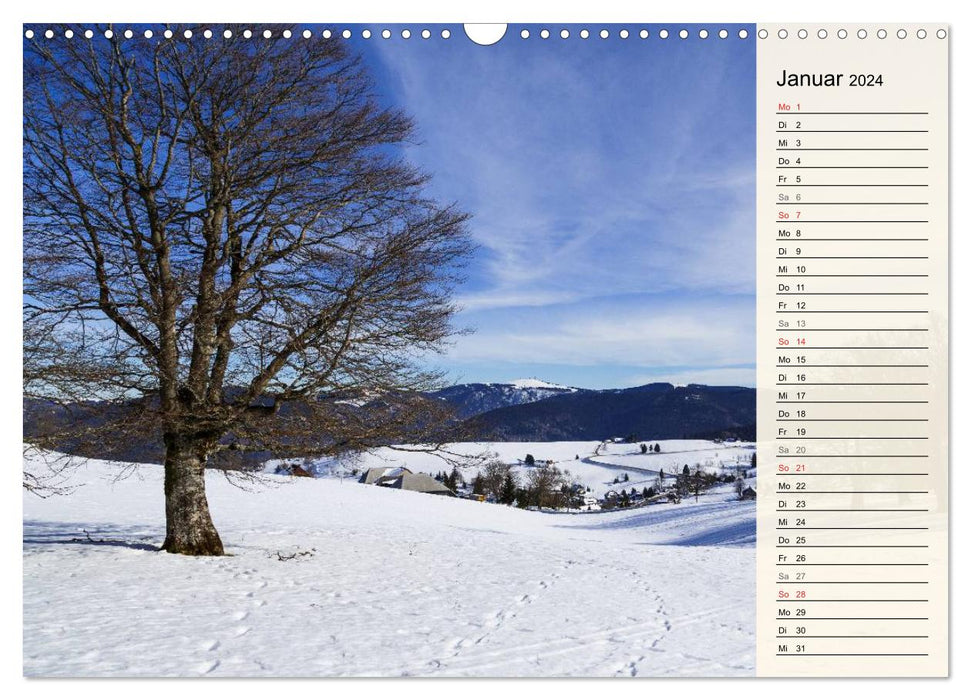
(591, 463)
(337, 578)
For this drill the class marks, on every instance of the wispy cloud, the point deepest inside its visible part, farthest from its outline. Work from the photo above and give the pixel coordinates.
(595, 171)
(664, 333)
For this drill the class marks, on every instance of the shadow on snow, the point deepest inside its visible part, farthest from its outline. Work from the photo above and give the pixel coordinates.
(40, 532)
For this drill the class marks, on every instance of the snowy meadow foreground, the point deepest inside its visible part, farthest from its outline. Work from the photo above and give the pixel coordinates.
(331, 577)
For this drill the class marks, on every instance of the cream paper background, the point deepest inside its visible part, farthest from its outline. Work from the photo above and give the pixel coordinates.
(915, 79)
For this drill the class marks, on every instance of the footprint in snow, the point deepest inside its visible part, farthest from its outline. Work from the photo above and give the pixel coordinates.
(241, 615)
(206, 667)
(242, 631)
(210, 645)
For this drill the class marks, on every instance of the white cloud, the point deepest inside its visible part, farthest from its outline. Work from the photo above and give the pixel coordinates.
(664, 334)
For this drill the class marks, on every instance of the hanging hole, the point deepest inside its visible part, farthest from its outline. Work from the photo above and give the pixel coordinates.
(484, 34)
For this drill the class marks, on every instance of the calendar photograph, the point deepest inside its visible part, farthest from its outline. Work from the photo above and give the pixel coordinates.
(358, 350)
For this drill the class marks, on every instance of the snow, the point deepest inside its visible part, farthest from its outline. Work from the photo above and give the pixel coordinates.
(593, 463)
(534, 383)
(332, 577)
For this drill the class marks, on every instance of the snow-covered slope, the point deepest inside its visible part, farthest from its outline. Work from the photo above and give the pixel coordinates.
(534, 383)
(338, 578)
(591, 463)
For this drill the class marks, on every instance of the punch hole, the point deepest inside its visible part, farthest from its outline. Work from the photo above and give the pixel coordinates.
(483, 34)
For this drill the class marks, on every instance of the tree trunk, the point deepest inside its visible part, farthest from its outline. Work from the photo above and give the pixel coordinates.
(188, 526)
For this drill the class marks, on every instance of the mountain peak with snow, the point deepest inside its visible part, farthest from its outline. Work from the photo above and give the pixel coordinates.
(534, 383)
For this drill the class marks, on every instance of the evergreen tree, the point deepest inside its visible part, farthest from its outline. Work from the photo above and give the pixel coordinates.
(530, 460)
(657, 447)
(507, 494)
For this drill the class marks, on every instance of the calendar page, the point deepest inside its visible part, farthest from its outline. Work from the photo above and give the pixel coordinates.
(602, 350)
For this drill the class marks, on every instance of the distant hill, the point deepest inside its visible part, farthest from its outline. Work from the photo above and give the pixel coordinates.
(523, 410)
(650, 412)
(469, 400)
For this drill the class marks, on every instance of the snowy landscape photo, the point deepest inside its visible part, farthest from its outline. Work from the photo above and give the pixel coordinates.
(371, 351)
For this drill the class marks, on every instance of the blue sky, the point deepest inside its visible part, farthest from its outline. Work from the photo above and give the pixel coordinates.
(612, 186)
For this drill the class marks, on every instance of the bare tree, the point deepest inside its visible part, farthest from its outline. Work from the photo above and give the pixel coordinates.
(493, 475)
(223, 233)
(545, 487)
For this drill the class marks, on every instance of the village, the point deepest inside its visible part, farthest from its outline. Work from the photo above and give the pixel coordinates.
(613, 474)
